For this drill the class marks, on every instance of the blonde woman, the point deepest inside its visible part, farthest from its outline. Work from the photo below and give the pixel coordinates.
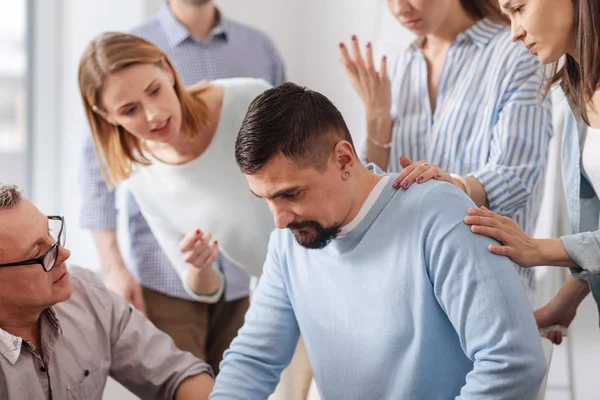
(173, 149)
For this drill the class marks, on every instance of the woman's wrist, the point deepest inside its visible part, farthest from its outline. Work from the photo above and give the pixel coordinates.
(379, 127)
(552, 252)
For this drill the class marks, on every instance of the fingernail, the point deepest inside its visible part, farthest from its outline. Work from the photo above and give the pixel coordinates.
(396, 184)
(197, 231)
(384, 58)
(420, 179)
(404, 184)
(438, 176)
(353, 37)
(368, 44)
(341, 45)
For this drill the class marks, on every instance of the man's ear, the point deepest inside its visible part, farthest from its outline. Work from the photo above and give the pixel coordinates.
(345, 157)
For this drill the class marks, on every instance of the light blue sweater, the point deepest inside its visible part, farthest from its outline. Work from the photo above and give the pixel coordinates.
(409, 305)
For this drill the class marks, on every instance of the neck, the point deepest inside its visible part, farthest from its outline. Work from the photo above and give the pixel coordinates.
(199, 20)
(21, 323)
(363, 183)
(457, 21)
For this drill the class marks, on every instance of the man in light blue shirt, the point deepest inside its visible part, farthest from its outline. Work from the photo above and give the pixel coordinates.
(394, 296)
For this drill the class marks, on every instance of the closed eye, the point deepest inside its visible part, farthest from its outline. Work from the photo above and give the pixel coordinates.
(129, 111)
(155, 91)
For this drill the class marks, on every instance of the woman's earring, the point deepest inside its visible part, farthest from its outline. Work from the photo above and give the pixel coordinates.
(346, 175)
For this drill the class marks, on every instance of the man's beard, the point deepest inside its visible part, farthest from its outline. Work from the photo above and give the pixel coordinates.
(312, 235)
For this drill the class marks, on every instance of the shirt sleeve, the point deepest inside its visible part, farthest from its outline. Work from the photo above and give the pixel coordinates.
(265, 344)
(519, 142)
(98, 211)
(143, 359)
(486, 303)
(584, 249)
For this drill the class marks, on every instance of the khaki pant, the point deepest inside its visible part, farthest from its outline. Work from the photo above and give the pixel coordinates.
(205, 330)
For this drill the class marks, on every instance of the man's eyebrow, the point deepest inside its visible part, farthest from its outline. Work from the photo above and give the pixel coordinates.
(280, 193)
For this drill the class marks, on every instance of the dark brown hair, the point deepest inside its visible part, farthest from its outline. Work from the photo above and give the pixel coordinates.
(291, 120)
(580, 80)
(485, 9)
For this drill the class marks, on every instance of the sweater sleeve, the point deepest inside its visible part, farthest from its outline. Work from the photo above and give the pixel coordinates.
(485, 302)
(265, 344)
(584, 249)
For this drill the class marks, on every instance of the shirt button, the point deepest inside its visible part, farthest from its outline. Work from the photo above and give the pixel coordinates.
(43, 369)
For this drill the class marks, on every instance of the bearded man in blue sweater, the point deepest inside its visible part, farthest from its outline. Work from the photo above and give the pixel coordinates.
(394, 296)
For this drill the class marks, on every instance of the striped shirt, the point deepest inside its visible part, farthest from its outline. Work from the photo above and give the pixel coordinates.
(489, 121)
(231, 50)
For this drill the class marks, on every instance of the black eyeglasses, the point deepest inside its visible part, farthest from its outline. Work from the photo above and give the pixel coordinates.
(56, 228)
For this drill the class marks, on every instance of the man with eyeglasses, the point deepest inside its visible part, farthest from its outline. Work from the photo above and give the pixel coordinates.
(62, 333)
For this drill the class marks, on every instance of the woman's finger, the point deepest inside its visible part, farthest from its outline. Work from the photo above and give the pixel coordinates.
(347, 62)
(356, 55)
(414, 175)
(188, 241)
(493, 233)
(369, 60)
(484, 221)
(405, 162)
(383, 76)
(428, 175)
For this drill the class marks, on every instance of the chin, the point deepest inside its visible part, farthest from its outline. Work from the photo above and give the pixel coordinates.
(63, 291)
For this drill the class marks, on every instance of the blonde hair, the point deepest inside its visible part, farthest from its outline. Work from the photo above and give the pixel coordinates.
(118, 150)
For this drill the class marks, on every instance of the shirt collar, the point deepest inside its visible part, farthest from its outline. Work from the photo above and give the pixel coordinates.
(10, 345)
(177, 33)
(479, 34)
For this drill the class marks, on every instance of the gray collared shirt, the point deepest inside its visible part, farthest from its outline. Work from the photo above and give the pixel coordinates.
(85, 339)
(231, 50)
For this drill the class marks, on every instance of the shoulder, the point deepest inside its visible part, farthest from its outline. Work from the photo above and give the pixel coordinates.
(514, 56)
(434, 207)
(243, 90)
(151, 30)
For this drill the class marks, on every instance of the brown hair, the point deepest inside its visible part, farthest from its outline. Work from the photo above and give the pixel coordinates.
(580, 80)
(291, 120)
(485, 9)
(118, 150)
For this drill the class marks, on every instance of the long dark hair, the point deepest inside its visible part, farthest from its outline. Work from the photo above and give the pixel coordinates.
(485, 9)
(580, 80)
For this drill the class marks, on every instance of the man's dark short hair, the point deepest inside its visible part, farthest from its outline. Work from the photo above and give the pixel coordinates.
(298, 123)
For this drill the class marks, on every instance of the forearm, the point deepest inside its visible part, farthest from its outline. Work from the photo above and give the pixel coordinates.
(108, 250)
(205, 282)
(478, 194)
(379, 129)
(197, 387)
(552, 252)
(572, 292)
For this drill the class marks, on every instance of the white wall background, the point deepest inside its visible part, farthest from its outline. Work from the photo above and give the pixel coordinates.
(306, 32)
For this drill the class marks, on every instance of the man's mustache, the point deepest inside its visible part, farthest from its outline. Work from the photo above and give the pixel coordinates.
(304, 224)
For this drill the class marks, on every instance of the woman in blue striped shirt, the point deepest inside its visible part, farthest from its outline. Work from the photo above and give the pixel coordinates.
(552, 29)
(463, 98)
